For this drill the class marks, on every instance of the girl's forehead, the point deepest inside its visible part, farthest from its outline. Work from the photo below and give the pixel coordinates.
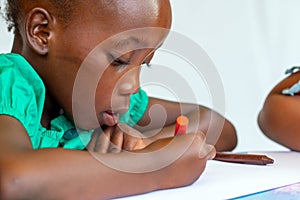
(134, 13)
(94, 27)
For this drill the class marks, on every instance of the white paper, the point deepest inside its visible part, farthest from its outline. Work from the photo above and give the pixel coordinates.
(222, 180)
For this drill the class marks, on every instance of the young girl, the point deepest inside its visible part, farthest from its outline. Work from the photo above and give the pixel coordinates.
(279, 116)
(43, 155)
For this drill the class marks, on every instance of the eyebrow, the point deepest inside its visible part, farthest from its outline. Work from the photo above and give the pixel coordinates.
(126, 41)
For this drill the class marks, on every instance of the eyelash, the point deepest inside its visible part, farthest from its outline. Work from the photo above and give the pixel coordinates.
(120, 63)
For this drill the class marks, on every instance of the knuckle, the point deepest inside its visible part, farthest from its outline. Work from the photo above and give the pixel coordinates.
(200, 135)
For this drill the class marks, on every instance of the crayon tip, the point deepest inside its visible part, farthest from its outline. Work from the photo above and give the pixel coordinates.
(181, 125)
(267, 160)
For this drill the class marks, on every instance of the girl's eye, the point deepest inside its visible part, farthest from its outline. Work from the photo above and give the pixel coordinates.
(119, 63)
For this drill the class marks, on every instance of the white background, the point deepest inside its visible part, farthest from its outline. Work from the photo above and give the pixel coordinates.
(251, 43)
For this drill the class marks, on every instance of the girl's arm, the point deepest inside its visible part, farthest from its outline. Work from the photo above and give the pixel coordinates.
(70, 174)
(219, 131)
(279, 117)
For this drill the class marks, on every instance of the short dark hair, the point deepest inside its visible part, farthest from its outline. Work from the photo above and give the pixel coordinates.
(11, 13)
(13, 9)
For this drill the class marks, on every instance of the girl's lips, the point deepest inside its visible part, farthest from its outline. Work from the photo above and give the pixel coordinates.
(110, 118)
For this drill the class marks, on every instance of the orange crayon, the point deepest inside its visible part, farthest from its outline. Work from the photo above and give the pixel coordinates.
(182, 123)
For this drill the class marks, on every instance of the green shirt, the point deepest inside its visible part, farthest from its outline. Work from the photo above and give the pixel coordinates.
(22, 96)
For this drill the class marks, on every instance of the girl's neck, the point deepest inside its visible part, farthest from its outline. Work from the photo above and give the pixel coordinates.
(17, 44)
(51, 111)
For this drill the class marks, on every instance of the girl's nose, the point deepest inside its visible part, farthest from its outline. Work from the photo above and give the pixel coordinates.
(130, 82)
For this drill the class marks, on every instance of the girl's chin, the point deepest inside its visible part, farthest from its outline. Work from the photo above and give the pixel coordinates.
(107, 118)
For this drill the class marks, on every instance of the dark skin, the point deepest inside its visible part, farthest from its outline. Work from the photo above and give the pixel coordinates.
(71, 174)
(279, 116)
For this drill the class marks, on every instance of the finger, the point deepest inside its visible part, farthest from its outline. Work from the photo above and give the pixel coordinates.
(91, 145)
(206, 150)
(131, 137)
(129, 142)
(140, 144)
(103, 141)
(116, 141)
(212, 153)
(129, 130)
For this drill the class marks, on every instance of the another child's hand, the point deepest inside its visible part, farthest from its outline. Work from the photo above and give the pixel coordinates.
(114, 139)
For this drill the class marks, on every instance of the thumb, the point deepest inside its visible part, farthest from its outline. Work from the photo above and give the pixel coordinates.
(207, 151)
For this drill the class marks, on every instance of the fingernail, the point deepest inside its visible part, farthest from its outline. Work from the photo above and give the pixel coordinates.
(212, 154)
(207, 151)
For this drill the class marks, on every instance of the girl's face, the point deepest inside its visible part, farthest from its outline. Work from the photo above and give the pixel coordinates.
(95, 65)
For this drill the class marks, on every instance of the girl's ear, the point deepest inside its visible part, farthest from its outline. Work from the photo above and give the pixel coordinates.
(38, 30)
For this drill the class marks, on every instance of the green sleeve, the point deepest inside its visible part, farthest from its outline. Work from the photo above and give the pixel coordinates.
(19, 95)
(137, 108)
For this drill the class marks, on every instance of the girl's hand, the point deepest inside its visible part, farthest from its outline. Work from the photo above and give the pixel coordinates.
(194, 152)
(173, 162)
(114, 139)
